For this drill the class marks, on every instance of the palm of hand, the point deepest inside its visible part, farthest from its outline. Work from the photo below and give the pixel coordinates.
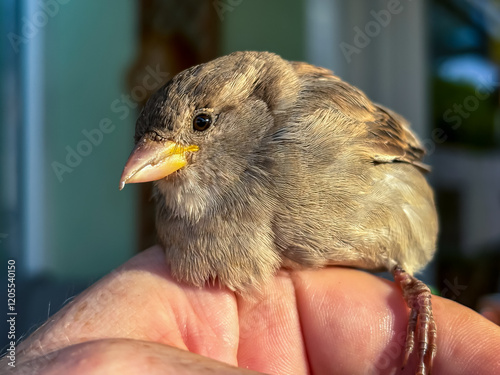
(334, 320)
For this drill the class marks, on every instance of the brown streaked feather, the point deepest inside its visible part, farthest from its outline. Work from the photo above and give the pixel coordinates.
(302, 68)
(393, 141)
(388, 133)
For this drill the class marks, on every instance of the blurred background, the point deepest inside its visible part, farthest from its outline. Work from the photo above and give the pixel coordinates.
(74, 75)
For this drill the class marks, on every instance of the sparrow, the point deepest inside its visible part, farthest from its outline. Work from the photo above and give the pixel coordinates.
(261, 163)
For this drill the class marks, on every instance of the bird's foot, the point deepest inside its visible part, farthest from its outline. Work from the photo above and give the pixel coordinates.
(421, 323)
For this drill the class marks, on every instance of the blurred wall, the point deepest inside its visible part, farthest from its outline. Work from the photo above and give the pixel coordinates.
(258, 25)
(379, 46)
(89, 224)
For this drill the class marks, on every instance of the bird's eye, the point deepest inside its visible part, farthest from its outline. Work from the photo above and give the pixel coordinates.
(202, 122)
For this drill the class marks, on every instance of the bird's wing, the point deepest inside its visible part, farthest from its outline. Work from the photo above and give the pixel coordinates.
(389, 135)
(392, 139)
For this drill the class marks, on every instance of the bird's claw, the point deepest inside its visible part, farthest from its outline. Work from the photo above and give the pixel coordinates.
(421, 322)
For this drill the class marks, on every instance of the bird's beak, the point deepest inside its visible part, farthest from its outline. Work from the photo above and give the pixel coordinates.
(152, 160)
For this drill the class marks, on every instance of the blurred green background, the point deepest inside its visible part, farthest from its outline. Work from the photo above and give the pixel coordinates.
(72, 86)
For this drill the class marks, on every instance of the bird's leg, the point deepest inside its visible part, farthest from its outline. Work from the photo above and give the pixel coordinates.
(418, 298)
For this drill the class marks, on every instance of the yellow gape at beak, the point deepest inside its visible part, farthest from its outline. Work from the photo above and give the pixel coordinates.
(153, 160)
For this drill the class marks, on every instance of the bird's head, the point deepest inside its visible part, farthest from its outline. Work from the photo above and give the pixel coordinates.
(204, 126)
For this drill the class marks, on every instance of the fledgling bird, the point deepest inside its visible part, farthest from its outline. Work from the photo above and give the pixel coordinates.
(259, 163)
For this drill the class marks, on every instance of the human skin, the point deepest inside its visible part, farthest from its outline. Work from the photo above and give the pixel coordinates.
(336, 320)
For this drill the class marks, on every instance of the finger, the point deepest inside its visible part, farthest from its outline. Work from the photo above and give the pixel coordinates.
(140, 301)
(492, 314)
(354, 322)
(123, 357)
(469, 342)
(270, 333)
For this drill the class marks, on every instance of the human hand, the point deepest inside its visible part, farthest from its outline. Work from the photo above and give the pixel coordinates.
(334, 320)
(489, 307)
